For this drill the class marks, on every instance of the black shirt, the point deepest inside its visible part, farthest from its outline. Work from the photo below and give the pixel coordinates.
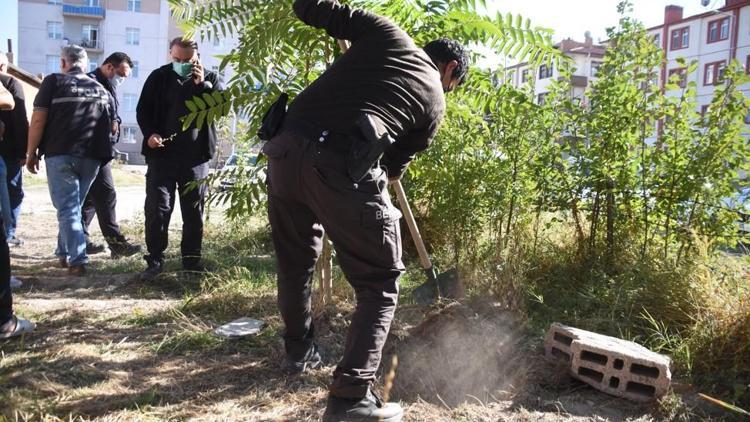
(16, 123)
(384, 74)
(160, 111)
(107, 84)
(80, 113)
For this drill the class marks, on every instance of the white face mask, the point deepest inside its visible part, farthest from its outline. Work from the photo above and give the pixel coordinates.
(117, 80)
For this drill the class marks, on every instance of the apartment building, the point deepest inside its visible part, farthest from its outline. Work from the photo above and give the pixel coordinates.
(713, 39)
(140, 28)
(587, 58)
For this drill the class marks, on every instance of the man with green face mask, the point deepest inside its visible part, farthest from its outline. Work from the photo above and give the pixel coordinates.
(175, 157)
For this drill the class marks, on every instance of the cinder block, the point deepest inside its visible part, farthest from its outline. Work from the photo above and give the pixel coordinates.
(559, 339)
(614, 366)
(619, 367)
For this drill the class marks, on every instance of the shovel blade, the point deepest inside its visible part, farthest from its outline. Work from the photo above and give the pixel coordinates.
(446, 285)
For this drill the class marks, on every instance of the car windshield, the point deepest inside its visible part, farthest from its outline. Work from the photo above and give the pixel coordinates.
(235, 159)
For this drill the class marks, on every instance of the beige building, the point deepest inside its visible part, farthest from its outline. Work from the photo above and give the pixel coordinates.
(140, 28)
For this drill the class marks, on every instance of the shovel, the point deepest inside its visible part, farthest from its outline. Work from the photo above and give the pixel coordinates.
(447, 284)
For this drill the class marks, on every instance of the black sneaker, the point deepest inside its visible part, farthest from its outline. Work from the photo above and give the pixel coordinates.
(94, 248)
(123, 248)
(15, 241)
(368, 408)
(311, 361)
(152, 271)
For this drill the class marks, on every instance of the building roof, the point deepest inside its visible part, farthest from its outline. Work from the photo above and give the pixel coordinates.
(734, 5)
(570, 46)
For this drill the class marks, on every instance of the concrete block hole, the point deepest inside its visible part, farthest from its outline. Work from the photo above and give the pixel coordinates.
(614, 382)
(597, 358)
(643, 370)
(640, 389)
(560, 354)
(590, 374)
(561, 338)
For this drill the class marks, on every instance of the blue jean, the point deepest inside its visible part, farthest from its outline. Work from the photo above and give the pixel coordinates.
(69, 179)
(5, 214)
(15, 192)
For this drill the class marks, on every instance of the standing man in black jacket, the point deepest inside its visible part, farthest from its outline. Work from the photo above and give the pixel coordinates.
(102, 198)
(175, 157)
(386, 80)
(13, 148)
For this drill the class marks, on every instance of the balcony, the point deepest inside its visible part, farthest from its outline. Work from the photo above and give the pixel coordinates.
(96, 12)
(94, 46)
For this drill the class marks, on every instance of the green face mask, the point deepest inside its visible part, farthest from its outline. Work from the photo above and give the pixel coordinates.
(182, 69)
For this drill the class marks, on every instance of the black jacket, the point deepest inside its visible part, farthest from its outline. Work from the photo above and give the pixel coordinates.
(160, 110)
(383, 74)
(16, 122)
(103, 81)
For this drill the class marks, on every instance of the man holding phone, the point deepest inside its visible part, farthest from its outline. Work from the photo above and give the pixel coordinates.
(175, 157)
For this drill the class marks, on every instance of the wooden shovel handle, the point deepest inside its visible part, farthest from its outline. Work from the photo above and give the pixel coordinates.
(424, 258)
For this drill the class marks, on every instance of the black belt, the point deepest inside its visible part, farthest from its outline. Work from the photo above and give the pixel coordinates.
(324, 138)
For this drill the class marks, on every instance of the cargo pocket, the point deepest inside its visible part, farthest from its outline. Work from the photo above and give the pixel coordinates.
(381, 224)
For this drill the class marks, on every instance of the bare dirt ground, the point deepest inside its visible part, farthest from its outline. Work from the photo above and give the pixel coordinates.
(109, 347)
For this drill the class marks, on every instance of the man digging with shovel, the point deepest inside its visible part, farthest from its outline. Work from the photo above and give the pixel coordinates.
(324, 174)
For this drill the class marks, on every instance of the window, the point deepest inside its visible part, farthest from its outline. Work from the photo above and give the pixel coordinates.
(92, 65)
(747, 119)
(545, 71)
(129, 134)
(54, 1)
(134, 5)
(595, 68)
(541, 99)
(129, 102)
(704, 110)
(93, 3)
(134, 70)
(52, 64)
(681, 73)
(718, 30)
(89, 36)
(657, 39)
(132, 36)
(54, 30)
(510, 77)
(680, 38)
(525, 76)
(747, 66)
(714, 72)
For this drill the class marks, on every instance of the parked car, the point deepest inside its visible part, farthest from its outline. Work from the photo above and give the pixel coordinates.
(741, 204)
(244, 161)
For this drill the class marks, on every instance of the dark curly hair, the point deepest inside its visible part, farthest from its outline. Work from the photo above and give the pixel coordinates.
(444, 50)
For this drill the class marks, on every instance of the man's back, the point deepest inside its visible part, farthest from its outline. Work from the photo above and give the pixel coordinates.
(79, 116)
(384, 73)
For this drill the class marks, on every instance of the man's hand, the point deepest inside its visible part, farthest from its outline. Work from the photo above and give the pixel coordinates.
(198, 76)
(155, 141)
(32, 163)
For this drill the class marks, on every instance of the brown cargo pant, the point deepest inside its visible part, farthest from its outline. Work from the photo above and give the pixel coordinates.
(309, 191)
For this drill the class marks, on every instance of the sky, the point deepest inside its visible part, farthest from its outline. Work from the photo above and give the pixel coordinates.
(572, 18)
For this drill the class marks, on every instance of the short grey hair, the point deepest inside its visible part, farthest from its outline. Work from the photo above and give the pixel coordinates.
(75, 56)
